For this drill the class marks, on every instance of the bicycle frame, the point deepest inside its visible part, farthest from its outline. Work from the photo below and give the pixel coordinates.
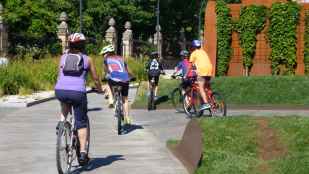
(208, 92)
(152, 86)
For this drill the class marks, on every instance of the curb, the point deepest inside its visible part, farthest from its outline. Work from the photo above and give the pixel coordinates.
(22, 104)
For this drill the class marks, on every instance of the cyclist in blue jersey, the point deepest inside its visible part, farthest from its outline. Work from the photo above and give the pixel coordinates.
(117, 74)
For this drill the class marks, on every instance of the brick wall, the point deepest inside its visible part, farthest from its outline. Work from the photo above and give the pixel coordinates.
(261, 62)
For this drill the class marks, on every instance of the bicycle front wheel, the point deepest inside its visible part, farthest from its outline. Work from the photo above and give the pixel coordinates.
(191, 104)
(218, 107)
(177, 99)
(62, 149)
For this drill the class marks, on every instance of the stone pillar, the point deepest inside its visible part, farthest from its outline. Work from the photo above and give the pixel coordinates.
(158, 40)
(127, 41)
(3, 35)
(63, 31)
(111, 33)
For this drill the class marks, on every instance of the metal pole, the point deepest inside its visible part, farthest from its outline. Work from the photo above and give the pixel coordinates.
(157, 27)
(80, 16)
(199, 17)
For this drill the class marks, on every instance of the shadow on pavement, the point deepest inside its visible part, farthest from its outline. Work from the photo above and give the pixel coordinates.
(94, 109)
(95, 163)
(131, 128)
(161, 99)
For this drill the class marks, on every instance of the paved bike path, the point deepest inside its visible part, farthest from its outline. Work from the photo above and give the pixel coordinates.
(28, 139)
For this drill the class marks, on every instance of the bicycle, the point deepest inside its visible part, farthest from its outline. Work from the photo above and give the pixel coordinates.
(192, 101)
(151, 100)
(151, 96)
(118, 103)
(68, 145)
(177, 95)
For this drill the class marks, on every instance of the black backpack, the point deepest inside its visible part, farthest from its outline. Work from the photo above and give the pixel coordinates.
(73, 65)
(154, 68)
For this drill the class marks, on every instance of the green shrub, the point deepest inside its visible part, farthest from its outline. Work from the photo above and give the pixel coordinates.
(282, 37)
(255, 91)
(14, 77)
(224, 35)
(252, 21)
(137, 68)
(268, 90)
(23, 77)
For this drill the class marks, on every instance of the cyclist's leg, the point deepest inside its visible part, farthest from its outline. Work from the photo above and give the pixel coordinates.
(125, 93)
(81, 118)
(65, 108)
(110, 94)
(156, 78)
(201, 83)
(207, 86)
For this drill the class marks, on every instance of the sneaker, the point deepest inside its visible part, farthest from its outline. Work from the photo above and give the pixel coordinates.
(204, 107)
(83, 159)
(58, 126)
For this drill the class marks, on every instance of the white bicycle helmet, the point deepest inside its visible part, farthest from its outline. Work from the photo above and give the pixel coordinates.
(107, 49)
(76, 37)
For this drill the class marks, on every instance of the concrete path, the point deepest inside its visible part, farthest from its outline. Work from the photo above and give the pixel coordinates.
(27, 139)
(27, 142)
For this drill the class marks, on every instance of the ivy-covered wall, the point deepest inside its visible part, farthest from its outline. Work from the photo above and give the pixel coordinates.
(270, 38)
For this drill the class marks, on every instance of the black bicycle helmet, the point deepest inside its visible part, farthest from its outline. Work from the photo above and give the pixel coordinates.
(154, 55)
(184, 53)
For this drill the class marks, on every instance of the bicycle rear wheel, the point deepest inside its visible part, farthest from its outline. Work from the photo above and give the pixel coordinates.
(119, 115)
(218, 105)
(177, 99)
(63, 148)
(151, 101)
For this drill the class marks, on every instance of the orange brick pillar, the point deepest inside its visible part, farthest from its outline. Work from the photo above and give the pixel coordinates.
(210, 32)
(300, 69)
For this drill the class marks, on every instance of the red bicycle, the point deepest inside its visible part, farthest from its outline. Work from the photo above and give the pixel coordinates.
(192, 101)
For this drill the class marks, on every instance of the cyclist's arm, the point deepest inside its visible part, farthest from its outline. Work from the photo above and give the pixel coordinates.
(94, 75)
(147, 65)
(161, 68)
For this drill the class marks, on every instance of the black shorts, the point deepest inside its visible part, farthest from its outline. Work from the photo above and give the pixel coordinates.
(156, 79)
(187, 83)
(124, 87)
(78, 100)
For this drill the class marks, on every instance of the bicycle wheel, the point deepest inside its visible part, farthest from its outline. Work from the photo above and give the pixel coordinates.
(63, 148)
(151, 100)
(218, 107)
(119, 115)
(177, 99)
(191, 103)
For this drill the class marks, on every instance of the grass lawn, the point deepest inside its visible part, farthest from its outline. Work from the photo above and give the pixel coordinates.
(255, 145)
(279, 91)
